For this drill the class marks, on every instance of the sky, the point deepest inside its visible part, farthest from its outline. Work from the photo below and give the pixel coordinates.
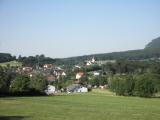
(65, 28)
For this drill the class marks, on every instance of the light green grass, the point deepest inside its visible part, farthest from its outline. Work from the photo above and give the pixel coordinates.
(96, 105)
(11, 63)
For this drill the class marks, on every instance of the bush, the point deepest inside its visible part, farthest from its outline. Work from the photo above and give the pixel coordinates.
(145, 85)
(38, 83)
(20, 84)
(122, 84)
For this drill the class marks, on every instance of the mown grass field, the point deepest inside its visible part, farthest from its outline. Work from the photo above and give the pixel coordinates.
(96, 105)
(11, 63)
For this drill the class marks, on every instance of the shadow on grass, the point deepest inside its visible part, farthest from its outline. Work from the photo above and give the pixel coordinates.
(12, 117)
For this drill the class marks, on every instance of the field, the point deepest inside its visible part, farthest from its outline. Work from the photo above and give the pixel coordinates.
(11, 63)
(96, 105)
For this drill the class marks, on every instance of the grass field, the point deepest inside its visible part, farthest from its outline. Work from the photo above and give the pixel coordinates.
(96, 105)
(11, 63)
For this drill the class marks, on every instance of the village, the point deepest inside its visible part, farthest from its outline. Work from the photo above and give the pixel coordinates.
(74, 78)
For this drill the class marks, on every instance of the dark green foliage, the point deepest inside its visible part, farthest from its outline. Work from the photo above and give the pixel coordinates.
(94, 81)
(84, 80)
(24, 85)
(38, 60)
(20, 84)
(91, 68)
(38, 83)
(122, 84)
(145, 85)
(6, 76)
(6, 57)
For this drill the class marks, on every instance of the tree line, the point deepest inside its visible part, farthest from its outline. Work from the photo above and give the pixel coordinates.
(6, 57)
(12, 83)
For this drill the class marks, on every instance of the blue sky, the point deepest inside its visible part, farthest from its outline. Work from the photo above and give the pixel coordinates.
(64, 28)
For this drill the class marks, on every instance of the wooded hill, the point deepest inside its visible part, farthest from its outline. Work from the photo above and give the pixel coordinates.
(152, 50)
(6, 57)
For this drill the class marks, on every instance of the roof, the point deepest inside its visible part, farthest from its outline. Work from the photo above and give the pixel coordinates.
(73, 87)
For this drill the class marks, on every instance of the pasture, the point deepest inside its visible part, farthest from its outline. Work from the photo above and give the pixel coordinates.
(11, 63)
(95, 105)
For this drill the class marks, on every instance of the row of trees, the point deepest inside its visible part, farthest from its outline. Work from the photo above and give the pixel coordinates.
(37, 60)
(14, 84)
(23, 84)
(143, 85)
(5, 57)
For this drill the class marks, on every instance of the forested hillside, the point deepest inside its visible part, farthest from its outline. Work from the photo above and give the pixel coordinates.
(154, 44)
(6, 57)
(152, 50)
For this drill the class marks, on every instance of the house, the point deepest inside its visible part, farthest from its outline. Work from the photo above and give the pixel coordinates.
(90, 62)
(47, 66)
(51, 78)
(74, 88)
(27, 69)
(24, 70)
(93, 60)
(83, 89)
(63, 74)
(77, 66)
(79, 75)
(50, 90)
(96, 73)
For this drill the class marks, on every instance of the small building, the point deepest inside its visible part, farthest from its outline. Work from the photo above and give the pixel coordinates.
(47, 66)
(90, 62)
(63, 74)
(83, 90)
(75, 88)
(96, 73)
(27, 69)
(79, 75)
(50, 90)
(77, 66)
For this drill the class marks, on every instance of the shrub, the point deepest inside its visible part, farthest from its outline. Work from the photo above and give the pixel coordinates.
(20, 84)
(145, 85)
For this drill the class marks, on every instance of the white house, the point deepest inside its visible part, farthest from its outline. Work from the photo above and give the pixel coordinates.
(90, 62)
(77, 66)
(96, 73)
(79, 75)
(63, 74)
(50, 90)
(93, 60)
(76, 88)
(83, 90)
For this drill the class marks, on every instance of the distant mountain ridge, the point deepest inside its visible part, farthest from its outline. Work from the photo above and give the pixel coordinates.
(154, 44)
(152, 50)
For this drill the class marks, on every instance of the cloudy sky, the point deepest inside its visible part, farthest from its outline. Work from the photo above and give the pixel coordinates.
(64, 28)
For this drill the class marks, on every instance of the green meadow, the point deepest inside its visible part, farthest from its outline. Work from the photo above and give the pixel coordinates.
(95, 105)
(11, 63)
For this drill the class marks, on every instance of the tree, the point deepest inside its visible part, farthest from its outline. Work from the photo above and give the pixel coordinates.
(6, 76)
(20, 84)
(122, 85)
(145, 85)
(38, 83)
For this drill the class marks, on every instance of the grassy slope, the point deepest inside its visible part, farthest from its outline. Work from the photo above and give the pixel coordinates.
(11, 63)
(90, 106)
